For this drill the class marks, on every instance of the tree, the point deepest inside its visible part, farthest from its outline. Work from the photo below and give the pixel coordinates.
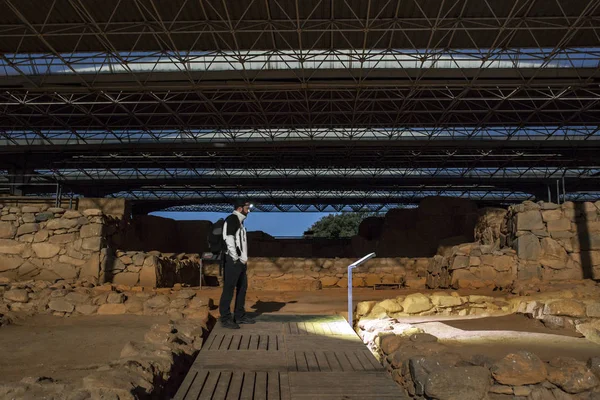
(339, 225)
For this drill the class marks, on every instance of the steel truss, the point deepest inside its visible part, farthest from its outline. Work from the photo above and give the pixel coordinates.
(299, 102)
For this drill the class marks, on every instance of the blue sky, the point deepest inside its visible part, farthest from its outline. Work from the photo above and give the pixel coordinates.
(273, 223)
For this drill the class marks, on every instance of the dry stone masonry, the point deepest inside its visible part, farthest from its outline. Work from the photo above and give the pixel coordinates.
(48, 243)
(425, 367)
(52, 243)
(72, 298)
(556, 242)
(477, 248)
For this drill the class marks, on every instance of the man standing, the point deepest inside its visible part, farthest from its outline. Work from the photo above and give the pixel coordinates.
(235, 268)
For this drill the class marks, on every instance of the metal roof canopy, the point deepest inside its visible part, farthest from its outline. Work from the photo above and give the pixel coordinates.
(285, 24)
(183, 102)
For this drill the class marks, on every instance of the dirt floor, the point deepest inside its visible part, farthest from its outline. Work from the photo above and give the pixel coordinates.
(326, 301)
(66, 348)
(496, 337)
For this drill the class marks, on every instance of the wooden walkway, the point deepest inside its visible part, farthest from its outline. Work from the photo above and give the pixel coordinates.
(284, 357)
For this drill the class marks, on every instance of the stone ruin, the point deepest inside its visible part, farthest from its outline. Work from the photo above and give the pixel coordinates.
(444, 243)
(425, 366)
(87, 261)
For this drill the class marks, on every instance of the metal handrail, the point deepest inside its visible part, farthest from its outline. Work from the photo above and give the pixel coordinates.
(350, 268)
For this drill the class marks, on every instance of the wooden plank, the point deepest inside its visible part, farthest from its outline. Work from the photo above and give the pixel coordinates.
(333, 361)
(376, 364)
(322, 360)
(185, 385)
(284, 386)
(235, 342)
(316, 342)
(249, 360)
(273, 386)
(310, 327)
(263, 342)
(334, 328)
(248, 386)
(210, 340)
(311, 360)
(302, 328)
(260, 386)
(326, 328)
(216, 343)
(341, 356)
(340, 328)
(301, 361)
(253, 342)
(209, 386)
(363, 384)
(328, 354)
(356, 364)
(226, 343)
(235, 386)
(291, 361)
(319, 328)
(245, 342)
(349, 397)
(196, 386)
(222, 386)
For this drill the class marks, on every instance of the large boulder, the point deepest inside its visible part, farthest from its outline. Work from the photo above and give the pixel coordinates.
(565, 307)
(528, 247)
(530, 221)
(458, 383)
(415, 303)
(8, 246)
(17, 295)
(7, 230)
(45, 250)
(553, 254)
(521, 368)
(571, 375)
(10, 262)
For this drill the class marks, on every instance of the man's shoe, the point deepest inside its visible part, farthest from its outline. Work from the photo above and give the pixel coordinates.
(245, 320)
(229, 324)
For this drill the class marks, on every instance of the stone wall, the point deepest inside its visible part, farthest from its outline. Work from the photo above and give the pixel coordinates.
(427, 367)
(539, 242)
(555, 242)
(473, 266)
(50, 243)
(149, 269)
(53, 243)
(492, 248)
(148, 369)
(84, 298)
(312, 274)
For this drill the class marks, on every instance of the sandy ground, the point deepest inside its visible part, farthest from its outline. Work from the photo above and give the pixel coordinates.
(66, 348)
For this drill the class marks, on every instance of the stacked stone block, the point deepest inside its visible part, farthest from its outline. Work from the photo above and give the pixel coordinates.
(46, 243)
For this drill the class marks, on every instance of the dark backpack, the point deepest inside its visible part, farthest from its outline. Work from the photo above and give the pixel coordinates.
(216, 244)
